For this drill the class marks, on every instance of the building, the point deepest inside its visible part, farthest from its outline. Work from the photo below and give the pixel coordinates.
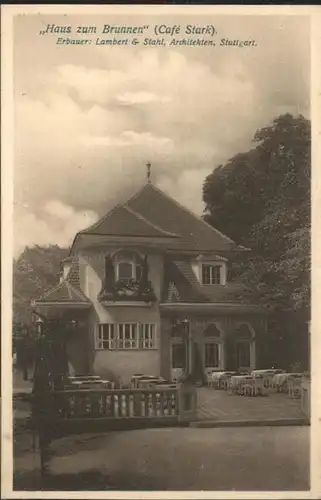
(146, 290)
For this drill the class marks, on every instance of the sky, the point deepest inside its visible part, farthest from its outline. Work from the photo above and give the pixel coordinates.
(89, 118)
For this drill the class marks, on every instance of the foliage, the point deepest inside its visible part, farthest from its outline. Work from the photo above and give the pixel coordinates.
(261, 199)
(35, 271)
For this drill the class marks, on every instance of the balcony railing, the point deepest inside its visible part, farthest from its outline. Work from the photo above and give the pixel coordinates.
(127, 291)
(117, 403)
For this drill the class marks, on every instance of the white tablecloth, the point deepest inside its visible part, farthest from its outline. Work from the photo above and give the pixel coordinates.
(281, 378)
(240, 379)
(217, 376)
(266, 371)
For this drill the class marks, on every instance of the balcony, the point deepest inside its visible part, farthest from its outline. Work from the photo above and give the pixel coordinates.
(127, 291)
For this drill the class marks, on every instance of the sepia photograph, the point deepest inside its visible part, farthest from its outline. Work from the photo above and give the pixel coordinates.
(161, 326)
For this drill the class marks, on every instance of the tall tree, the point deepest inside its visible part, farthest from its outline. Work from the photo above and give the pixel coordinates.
(34, 272)
(261, 199)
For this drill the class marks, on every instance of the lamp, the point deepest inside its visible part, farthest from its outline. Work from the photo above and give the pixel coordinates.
(39, 325)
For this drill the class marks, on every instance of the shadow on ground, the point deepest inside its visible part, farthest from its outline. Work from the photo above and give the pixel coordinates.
(91, 480)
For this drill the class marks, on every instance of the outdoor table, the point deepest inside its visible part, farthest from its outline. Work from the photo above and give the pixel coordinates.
(224, 378)
(246, 385)
(215, 375)
(213, 379)
(236, 381)
(280, 380)
(267, 371)
(166, 386)
(148, 381)
(218, 379)
(92, 384)
(268, 376)
(135, 379)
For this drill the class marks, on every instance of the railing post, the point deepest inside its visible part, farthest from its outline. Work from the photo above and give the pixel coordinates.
(305, 397)
(187, 401)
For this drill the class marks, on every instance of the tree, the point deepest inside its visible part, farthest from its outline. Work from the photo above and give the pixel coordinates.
(35, 271)
(261, 199)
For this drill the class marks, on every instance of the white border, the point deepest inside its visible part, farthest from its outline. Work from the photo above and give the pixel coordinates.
(7, 211)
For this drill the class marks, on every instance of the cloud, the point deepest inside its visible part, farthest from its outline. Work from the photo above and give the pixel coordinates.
(56, 223)
(141, 98)
(129, 138)
(88, 120)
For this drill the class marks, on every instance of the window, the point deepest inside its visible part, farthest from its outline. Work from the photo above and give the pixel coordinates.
(243, 354)
(126, 336)
(106, 336)
(147, 336)
(211, 355)
(179, 355)
(128, 271)
(244, 333)
(211, 274)
(125, 271)
(212, 331)
(128, 267)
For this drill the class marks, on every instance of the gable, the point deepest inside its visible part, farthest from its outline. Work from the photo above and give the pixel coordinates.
(63, 292)
(122, 221)
(179, 274)
(194, 233)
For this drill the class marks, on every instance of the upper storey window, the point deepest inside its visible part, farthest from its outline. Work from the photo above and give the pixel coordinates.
(128, 271)
(127, 268)
(211, 274)
(126, 278)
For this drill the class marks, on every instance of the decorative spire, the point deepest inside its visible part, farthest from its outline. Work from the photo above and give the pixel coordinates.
(149, 166)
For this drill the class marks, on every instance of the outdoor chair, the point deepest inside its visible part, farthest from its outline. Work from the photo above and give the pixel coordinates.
(295, 386)
(225, 381)
(231, 389)
(213, 380)
(248, 388)
(234, 388)
(254, 387)
(268, 381)
(245, 387)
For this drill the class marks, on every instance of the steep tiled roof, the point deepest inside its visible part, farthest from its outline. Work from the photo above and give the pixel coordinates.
(123, 221)
(73, 276)
(181, 275)
(68, 290)
(166, 213)
(183, 282)
(151, 213)
(63, 292)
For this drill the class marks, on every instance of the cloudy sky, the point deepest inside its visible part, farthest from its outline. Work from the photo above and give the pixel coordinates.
(88, 118)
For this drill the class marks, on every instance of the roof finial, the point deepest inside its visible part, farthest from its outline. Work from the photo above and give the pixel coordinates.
(149, 166)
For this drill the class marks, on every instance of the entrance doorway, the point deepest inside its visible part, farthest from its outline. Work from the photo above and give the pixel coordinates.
(240, 349)
(243, 355)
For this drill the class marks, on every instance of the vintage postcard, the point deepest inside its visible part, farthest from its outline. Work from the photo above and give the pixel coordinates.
(160, 317)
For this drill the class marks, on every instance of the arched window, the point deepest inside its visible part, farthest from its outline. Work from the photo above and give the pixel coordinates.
(212, 331)
(128, 267)
(244, 332)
